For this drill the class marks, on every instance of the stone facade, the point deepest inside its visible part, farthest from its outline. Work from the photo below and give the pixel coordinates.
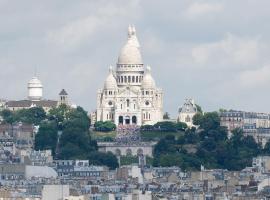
(129, 95)
(145, 149)
(187, 111)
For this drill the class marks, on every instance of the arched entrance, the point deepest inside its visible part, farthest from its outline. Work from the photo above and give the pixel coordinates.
(139, 152)
(134, 120)
(120, 120)
(118, 152)
(129, 152)
(127, 120)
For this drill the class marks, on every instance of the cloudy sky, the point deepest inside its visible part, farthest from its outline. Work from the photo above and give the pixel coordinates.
(214, 51)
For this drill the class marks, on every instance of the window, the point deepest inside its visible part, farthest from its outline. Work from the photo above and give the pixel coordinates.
(133, 79)
(129, 79)
(136, 79)
(127, 102)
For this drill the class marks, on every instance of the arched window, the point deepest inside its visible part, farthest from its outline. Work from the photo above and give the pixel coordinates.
(187, 119)
(136, 79)
(133, 79)
(125, 79)
(134, 120)
(121, 79)
(129, 152)
(127, 102)
(118, 152)
(129, 79)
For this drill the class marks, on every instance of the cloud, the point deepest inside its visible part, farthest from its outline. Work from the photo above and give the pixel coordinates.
(196, 10)
(81, 29)
(75, 32)
(206, 49)
(231, 49)
(255, 78)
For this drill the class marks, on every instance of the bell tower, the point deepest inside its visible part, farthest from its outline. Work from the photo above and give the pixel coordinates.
(63, 97)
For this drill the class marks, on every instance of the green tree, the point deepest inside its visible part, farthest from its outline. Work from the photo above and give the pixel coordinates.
(181, 126)
(166, 126)
(266, 149)
(34, 115)
(100, 158)
(197, 119)
(199, 108)
(46, 137)
(8, 116)
(104, 126)
(59, 114)
(166, 115)
(208, 121)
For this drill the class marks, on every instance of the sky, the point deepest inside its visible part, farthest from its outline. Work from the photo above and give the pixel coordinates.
(216, 52)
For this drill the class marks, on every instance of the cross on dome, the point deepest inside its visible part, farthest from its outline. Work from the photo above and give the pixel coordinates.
(131, 31)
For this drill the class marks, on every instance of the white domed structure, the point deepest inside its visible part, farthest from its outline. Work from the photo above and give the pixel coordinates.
(130, 95)
(110, 82)
(148, 81)
(35, 89)
(130, 53)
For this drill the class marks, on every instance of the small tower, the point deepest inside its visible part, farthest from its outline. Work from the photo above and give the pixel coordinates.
(63, 97)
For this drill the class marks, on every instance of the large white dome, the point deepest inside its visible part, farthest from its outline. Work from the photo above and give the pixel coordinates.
(110, 82)
(148, 81)
(130, 53)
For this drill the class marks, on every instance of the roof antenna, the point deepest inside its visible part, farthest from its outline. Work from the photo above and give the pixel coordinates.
(35, 72)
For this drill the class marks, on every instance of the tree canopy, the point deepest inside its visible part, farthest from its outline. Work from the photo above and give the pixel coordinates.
(208, 146)
(104, 126)
(34, 115)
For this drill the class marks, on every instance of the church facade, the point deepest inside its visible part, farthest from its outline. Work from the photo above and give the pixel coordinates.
(130, 95)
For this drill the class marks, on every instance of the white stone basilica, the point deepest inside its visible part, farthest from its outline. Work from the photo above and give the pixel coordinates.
(130, 95)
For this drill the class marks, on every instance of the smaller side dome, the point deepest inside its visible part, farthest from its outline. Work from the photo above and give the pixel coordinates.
(110, 82)
(148, 81)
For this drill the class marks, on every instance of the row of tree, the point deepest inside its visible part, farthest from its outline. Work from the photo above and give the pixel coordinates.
(65, 131)
(165, 126)
(209, 146)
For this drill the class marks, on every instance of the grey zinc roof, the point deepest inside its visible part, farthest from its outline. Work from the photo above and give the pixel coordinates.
(28, 103)
(188, 107)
